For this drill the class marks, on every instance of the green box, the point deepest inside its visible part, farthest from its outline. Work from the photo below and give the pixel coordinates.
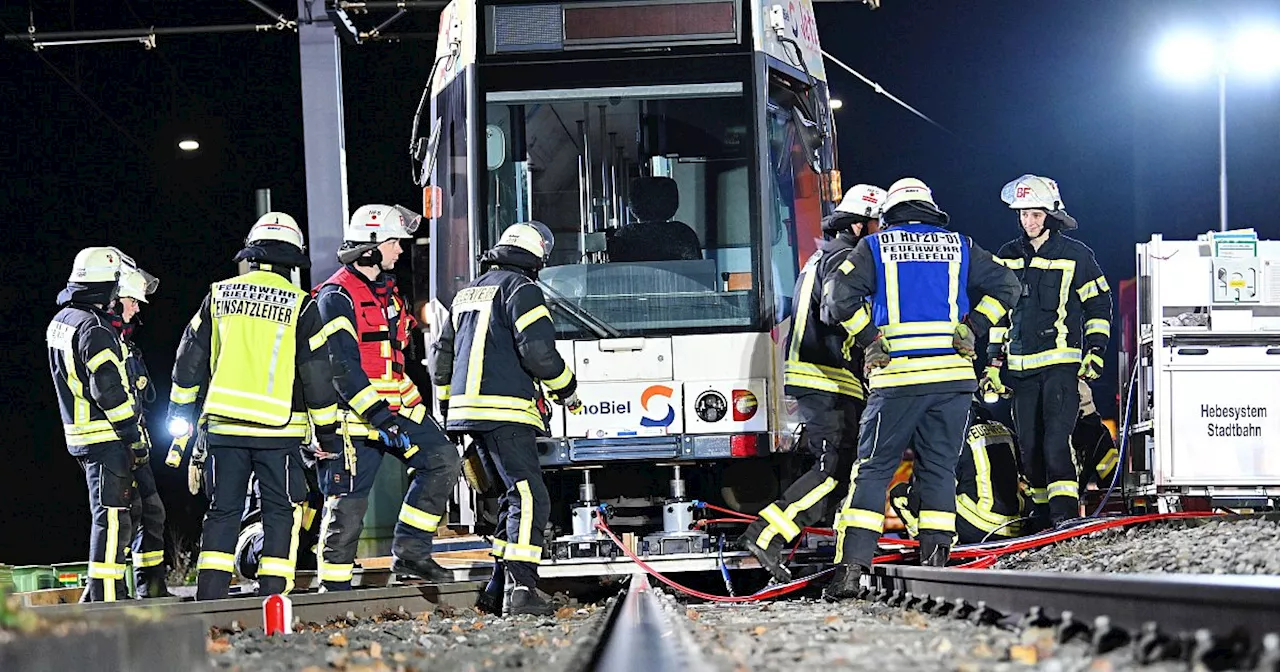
(29, 578)
(72, 574)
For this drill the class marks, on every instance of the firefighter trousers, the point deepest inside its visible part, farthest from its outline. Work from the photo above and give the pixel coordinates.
(283, 488)
(1045, 406)
(1095, 451)
(108, 474)
(433, 462)
(905, 501)
(831, 437)
(513, 451)
(934, 426)
(147, 513)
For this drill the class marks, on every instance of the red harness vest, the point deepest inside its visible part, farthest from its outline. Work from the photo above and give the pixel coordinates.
(381, 352)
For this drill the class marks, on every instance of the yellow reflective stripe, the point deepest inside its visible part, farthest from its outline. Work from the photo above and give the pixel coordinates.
(944, 521)
(496, 415)
(113, 549)
(1040, 495)
(442, 392)
(364, 399)
(825, 378)
(858, 321)
(475, 359)
(307, 514)
(903, 371)
(427, 522)
(148, 558)
(1013, 264)
(282, 567)
(1053, 264)
(891, 292)
(523, 553)
(526, 515)
(340, 323)
(336, 573)
(986, 521)
(953, 290)
(107, 571)
(1108, 462)
(1097, 326)
(861, 519)
(846, 267)
(811, 498)
(293, 545)
(324, 416)
(901, 344)
(415, 413)
(991, 309)
(104, 356)
(998, 334)
(216, 560)
(779, 523)
(533, 315)
(183, 395)
(561, 381)
(1087, 291)
(297, 426)
(1044, 358)
(904, 514)
(1064, 489)
(918, 328)
(499, 548)
(804, 296)
(1102, 284)
(120, 413)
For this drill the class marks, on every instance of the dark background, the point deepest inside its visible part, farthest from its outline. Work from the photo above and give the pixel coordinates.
(1063, 88)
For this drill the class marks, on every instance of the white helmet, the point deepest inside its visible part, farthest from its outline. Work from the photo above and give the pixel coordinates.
(908, 189)
(137, 284)
(279, 227)
(378, 223)
(864, 200)
(533, 237)
(1031, 192)
(99, 264)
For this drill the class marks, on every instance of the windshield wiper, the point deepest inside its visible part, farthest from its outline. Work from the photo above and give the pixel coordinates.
(597, 326)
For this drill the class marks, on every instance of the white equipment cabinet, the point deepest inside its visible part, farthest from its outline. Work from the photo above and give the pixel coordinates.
(1207, 413)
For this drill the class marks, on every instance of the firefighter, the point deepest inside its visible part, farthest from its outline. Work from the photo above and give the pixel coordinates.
(495, 352)
(147, 512)
(248, 553)
(1056, 335)
(368, 330)
(99, 417)
(989, 501)
(904, 297)
(822, 374)
(255, 352)
(1094, 447)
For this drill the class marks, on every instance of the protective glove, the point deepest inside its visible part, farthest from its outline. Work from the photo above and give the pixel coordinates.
(393, 437)
(963, 341)
(571, 403)
(1091, 366)
(141, 451)
(876, 355)
(990, 385)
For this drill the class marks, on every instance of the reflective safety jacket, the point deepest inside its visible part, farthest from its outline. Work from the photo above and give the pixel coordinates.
(1065, 305)
(910, 284)
(248, 351)
(87, 365)
(821, 356)
(367, 328)
(499, 345)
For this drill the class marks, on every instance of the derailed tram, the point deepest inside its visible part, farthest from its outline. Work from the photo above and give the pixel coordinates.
(682, 153)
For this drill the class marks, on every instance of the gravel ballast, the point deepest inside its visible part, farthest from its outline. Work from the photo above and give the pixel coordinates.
(1216, 547)
(445, 640)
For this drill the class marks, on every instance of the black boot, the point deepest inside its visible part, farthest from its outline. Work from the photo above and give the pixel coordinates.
(426, 569)
(526, 600)
(934, 554)
(770, 558)
(149, 583)
(846, 584)
(490, 599)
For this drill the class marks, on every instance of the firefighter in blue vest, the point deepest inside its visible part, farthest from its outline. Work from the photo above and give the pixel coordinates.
(148, 509)
(382, 412)
(498, 348)
(822, 372)
(989, 500)
(255, 352)
(904, 296)
(99, 416)
(1057, 334)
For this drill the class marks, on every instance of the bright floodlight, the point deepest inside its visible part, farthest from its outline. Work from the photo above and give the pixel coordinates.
(836, 103)
(1256, 51)
(1186, 56)
(188, 145)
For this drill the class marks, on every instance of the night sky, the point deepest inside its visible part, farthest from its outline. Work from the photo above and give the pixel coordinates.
(1063, 88)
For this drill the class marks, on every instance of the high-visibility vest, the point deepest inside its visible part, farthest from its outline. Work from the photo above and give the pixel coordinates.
(381, 351)
(253, 348)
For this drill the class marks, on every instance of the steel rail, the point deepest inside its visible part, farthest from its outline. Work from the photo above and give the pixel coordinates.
(1179, 610)
(247, 611)
(640, 635)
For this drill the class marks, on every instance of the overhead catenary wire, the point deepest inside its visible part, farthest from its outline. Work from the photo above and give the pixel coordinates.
(875, 86)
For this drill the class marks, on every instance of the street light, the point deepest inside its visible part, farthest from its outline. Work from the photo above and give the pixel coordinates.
(836, 103)
(188, 145)
(1189, 57)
